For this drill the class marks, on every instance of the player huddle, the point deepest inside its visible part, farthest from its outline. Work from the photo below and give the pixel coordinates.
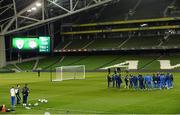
(155, 81)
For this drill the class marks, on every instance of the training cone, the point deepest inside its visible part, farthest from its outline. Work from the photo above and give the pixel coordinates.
(3, 108)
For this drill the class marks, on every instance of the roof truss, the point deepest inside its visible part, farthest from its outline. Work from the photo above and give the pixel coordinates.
(50, 10)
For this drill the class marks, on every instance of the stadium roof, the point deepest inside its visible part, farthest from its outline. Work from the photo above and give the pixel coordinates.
(18, 15)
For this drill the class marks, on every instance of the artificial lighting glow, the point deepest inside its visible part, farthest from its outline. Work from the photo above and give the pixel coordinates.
(29, 10)
(38, 4)
(33, 8)
(143, 25)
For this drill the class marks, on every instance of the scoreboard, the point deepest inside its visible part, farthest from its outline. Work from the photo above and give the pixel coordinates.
(41, 44)
(44, 44)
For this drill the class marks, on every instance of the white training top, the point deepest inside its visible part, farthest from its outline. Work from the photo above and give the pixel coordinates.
(16, 90)
(12, 92)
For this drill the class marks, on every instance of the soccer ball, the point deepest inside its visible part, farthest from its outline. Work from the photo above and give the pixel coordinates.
(47, 113)
(36, 104)
(24, 105)
(29, 104)
(45, 101)
(27, 107)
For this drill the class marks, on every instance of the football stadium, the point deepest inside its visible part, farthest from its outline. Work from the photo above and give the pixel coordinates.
(89, 57)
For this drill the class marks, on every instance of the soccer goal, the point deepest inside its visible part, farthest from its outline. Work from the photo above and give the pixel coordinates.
(70, 72)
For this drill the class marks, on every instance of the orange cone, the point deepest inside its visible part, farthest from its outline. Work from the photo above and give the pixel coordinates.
(3, 108)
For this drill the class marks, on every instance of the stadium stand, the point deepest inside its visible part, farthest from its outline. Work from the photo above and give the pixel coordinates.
(143, 60)
(94, 63)
(142, 42)
(102, 43)
(67, 60)
(47, 62)
(172, 41)
(78, 43)
(155, 66)
(3, 70)
(133, 42)
(10, 67)
(63, 44)
(98, 61)
(26, 66)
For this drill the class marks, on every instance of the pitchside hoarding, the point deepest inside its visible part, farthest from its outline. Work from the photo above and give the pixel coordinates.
(41, 44)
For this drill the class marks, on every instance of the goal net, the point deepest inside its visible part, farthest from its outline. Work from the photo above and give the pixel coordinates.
(70, 72)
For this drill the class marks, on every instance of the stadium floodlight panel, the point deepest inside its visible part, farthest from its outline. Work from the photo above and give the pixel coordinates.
(33, 8)
(143, 25)
(29, 10)
(38, 4)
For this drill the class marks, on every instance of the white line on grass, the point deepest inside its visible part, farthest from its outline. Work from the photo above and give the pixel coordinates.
(81, 111)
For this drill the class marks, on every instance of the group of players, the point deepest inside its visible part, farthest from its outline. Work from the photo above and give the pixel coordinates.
(15, 95)
(155, 81)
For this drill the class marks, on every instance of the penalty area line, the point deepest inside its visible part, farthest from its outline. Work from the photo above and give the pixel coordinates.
(80, 111)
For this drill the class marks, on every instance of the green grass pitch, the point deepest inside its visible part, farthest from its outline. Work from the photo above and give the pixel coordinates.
(89, 96)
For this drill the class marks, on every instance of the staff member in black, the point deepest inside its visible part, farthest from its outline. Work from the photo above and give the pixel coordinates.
(25, 93)
(39, 73)
(126, 79)
(114, 79)
(109, 80)
(17, 91)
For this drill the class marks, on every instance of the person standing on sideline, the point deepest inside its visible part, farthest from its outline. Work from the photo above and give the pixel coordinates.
(171, 80)
(109, 80)
(39, 73)
(12, 93)
(25, 93)
(113, 80)
(17, 91)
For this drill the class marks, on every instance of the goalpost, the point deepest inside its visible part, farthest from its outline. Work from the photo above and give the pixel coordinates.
(70, 72)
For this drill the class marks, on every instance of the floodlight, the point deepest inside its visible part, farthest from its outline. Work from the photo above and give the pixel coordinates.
(38, 4)
(34, 8)
(29, 10)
